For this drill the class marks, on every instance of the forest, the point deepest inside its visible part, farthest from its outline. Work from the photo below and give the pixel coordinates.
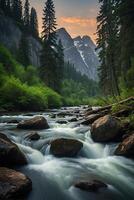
(56, 82)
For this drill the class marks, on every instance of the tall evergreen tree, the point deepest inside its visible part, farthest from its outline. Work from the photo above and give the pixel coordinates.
(17, 10)
(8, 7)
(26, 17)
(126, 15)
(107, 40)
(60, 66)
(48, 69)
(23, 51)
(34, 23)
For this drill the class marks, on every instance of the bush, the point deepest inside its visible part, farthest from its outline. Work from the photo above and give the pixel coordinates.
(19, 96)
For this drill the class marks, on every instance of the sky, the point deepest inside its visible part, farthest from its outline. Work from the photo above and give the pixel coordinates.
(77, 16)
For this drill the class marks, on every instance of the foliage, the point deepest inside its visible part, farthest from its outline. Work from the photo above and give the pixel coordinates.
(21, 88)
(34, 23)
(116, 46)
(52, 58)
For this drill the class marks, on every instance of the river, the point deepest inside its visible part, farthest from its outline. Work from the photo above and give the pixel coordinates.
(53, 178)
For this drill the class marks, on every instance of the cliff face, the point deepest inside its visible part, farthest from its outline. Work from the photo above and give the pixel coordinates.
(80, 52)
(10, 36)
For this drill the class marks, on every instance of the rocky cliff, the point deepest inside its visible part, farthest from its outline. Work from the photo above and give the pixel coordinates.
(80, 51)
(10, 36)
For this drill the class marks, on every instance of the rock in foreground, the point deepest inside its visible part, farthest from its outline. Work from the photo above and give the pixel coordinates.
(37, 122)
(65, 147)
(10, 154)
(92, 186)
(33, 136)
(126, 148)
(106, 129)
(13, 185)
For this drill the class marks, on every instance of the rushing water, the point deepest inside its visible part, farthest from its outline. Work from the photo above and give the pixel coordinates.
(53, 178)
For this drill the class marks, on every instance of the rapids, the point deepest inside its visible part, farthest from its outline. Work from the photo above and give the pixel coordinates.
(53, 178)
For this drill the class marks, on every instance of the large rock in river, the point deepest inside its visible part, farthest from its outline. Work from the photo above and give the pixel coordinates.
(92, 186)
(126, 148)
(106, 129)
(13, 185)
(10, 154)
(65, 147)
(33, 136)
(37, 122)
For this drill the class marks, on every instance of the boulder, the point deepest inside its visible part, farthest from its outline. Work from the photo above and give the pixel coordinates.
(90, 119)
(74, 119)
(13, 185)
(33, 136)
(37, 122)
(126, 148)
(13, 121)
(61, 122)
(10, 154)
(65, 147)
(92, 186)
(106, 129)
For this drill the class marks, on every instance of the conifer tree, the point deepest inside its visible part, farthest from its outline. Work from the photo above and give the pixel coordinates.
(8, 7)
(17, 10)
(107, 40)
(126, 15)
(60, 66)
(26, 17)
(34, 23)
(23, 51)
(48, 69)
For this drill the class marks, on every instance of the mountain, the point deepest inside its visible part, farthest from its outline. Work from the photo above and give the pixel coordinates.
(80, 52)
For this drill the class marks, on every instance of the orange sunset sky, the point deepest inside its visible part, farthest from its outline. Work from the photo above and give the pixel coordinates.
(77, 16)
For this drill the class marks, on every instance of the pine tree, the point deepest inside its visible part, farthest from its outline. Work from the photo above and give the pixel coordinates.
(49, 23)
(17, 10)
(23, 51)
(107, 39)
(48, 69)
(34, 23)
(126, 14)
(8, 7)
(60, 66)
(26, 17)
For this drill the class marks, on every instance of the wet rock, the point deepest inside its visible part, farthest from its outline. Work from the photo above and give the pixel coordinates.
(13, 185)
(106, 129)
(73, 120)
(33, 136)
(90, 119)
(126, 148)
(92, 186)
(37, 122)
(65, 147)
(13, 121)
(10, 154)
(62, 122)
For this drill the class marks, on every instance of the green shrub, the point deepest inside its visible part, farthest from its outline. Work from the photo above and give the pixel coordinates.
(19, 96)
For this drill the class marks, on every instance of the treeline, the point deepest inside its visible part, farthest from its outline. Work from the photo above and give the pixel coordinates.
(76, 88)
(25, 17)
(116, 46)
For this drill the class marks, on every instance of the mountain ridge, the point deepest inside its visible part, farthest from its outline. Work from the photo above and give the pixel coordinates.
(80, 51)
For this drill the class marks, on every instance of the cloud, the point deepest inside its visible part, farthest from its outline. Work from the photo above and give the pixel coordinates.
(79, 26)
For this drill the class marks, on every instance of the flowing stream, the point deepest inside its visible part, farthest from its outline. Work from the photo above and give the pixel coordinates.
(53, 178)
